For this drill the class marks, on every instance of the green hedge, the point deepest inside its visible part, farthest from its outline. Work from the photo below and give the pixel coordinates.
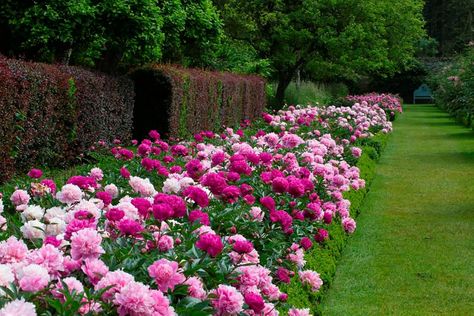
(323, 258)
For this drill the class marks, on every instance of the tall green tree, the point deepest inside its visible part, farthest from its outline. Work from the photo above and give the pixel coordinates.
(330, 39)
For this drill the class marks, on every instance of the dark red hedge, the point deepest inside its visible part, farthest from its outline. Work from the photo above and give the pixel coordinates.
(51, 114)
(180, 101)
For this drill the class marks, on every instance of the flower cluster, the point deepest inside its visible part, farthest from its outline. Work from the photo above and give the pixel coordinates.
(388, 102)
(213, 225)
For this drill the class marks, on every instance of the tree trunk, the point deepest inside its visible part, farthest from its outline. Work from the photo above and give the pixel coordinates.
(283, 82)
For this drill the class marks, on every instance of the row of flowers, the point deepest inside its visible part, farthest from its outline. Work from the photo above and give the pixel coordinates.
(390, 103)
(209, 226)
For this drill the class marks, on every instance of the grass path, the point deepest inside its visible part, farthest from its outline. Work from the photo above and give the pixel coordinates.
(413, 252)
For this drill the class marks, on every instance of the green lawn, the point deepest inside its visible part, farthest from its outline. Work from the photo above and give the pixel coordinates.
(413, 252)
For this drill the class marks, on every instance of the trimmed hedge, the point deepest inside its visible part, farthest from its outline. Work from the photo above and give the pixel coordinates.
(323, 258)
(49, 114)
(179, 101)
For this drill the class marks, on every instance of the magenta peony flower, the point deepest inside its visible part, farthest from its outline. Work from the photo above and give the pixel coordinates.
(200, 216)
(321, 235)
(215, 182)
(230, 194)
(210, 243)
(306, 243)
(125, 173)
(268, 202)
(198, 195)
(254, 301)
(167, 274)
(105, 197)
(241, 246)
(130, 227)
(283, 275)
(279, 185)
(35, 173)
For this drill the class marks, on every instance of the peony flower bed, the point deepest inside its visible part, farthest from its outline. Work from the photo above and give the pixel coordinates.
(220, 225)
(390, 103)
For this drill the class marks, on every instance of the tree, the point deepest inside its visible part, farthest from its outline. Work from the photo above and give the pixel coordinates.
(327, 38)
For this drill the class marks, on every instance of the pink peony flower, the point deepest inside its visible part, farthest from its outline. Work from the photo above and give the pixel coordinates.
(196, 288)
(73, 285)
(48, 257)
(210, 243)
(20, 197)
(228, 301)
(299, 312)
(69, 194)
(135, 299)
(12, 250)
(312, 279)
(85, 244)
(167, 274)
(33, 278)
(165, 243)
(257, 213)
(349, 225)
(95, 269)
(18, 307)
(116, 280)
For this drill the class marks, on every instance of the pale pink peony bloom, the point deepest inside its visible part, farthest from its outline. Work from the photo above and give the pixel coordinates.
(134, 299)
(33, 278)
(18, 307)
(12, 250)
(6, 277)
(73, 285)
(167, 274)
(95, 269)
(228, 301)
(85, 244)
(20, 197)
(312, 279)
(299, 312)
(257, 214)
(69, 194)
(32, 212)
(48, 257)
(142, 186)
(112, 190)
(117, 279)
(97, 174)
(33, 230)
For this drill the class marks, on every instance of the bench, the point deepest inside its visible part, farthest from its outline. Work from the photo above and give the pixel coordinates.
(423, 93)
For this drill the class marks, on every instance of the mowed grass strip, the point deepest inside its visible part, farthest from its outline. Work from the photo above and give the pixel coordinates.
(413, 251)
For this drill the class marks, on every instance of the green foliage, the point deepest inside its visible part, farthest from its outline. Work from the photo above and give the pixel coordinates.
(451, 23)
(454, 87)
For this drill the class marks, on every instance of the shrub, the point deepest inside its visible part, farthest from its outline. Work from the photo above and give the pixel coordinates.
(179, 101)
(454, 87)
(51, 114)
